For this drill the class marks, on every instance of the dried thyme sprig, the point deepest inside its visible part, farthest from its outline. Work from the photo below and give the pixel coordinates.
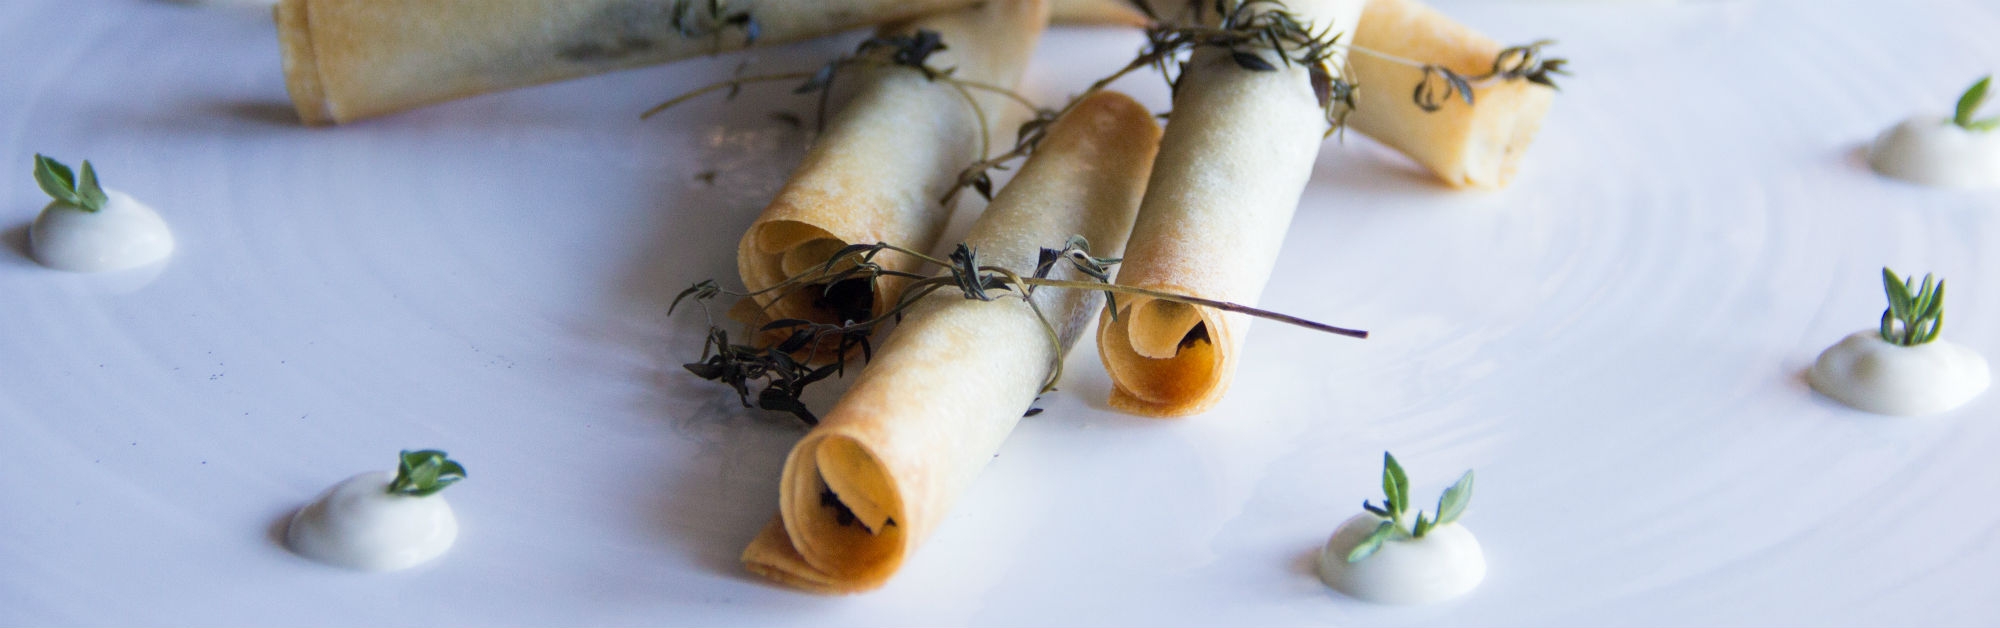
(1250, 35)
(910, 50)
(1255, 32)
(1916, 311)
(1396, 502)
(1440, 84)
(699, 19)
(785, 376)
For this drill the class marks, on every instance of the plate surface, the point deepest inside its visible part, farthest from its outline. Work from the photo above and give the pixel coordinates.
(1616, 344)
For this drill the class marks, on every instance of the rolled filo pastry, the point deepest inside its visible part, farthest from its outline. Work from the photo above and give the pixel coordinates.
(880, 471)
(883, 163)
(1237, 152)
(1466, 145)
(346, 60)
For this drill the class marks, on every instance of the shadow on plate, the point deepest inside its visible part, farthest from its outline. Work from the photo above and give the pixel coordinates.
(1855, 157)
(275, 532)
(265, 112)
(1358, 164)
(1307, 563)
(16, 240)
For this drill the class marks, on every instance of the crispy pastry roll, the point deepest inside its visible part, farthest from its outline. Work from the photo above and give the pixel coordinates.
(1232, 165)
(879, 170)
(1467, 145)
(352, 59)
(1478, 145)
(879, 473)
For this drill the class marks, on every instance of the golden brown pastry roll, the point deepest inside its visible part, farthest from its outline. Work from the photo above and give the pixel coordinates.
(1237, 152)
(351, 59)
(1467, 145)
(883, 163)
(1476, 145)
(881, 470)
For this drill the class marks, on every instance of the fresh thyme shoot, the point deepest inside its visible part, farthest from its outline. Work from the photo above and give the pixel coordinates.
(707, 19)
(422, 473)
(1396, 503)
(1968, 104)
(786, 367)
(63, 185)
(1916, 311)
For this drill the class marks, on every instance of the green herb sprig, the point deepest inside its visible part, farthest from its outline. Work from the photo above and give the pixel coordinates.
(63, 185)
(1969, 103)
(1916, 311)
(784, 376)
(425, 472)
(1396, 503)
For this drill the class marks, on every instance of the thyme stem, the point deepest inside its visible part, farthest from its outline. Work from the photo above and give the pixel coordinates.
(785, 376)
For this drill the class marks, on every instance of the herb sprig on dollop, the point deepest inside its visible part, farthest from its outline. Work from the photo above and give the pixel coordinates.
(64, 185)
(1396, 503)
(1916, 311)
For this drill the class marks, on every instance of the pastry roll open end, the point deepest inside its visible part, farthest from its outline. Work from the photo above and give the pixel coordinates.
(1478, 145)
(880, 472)
(302, 79)
(1234, 160)
(879, 170)
(1163, 357)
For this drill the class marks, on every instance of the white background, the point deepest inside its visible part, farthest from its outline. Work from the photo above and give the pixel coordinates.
(1615, 343)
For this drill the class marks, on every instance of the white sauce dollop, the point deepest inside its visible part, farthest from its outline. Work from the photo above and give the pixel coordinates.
(1933, 151)
(124, 234)
(1873, 374)
(1446, 563)
(358, 523)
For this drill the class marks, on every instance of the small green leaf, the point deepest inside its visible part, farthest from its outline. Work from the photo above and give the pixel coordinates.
(1422, 526)
(1983, 126)
(422, 473)
(1452, 503)
(1396, 485)
(1916, 310)
(1899, 293)
(88, 190)
(1969, 102)
(56, 179)
(1374, 542)
(1922, 297)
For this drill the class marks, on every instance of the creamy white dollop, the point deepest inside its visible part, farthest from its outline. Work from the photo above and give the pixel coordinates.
(124, 234)
(1879, 376)
(1933, 151)
(1445, 564)
(358, 523)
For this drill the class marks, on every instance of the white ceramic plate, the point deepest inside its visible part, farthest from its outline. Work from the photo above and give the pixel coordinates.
(1615, 343)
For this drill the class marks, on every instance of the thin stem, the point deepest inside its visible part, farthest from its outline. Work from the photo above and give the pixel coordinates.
(713, 87)
(1194, 300)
